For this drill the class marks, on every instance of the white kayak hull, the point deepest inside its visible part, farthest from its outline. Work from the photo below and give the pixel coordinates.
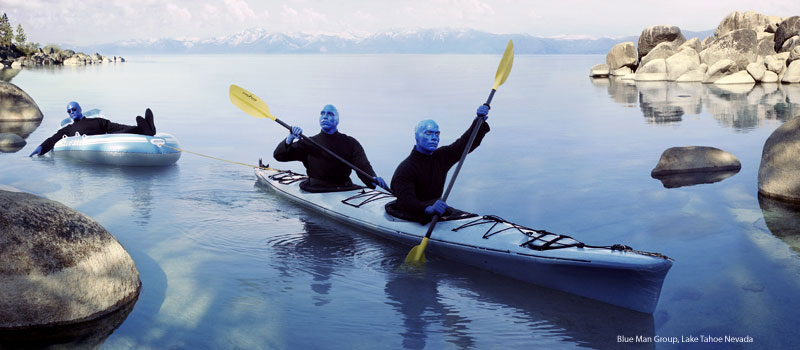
(620, 277)
(121, 149)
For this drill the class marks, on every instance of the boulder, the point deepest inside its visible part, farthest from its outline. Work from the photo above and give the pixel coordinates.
(16, 105)
(792, 73)
(740, 77)
(794, 55)
(622, 55)
(622, 71)
(121, 59)
(707, 41)
(655, 70)
(599, 70)
(676, 160)
(738, 20)
(74, 60)
(10, 143)
(790, 43)
(695, 75)
(769, 77)
(777, 174)
(775, 64)
(654, 35)
(662, 50)
(787, 29)
(692, 43)
(694, 178)
(765, 45)
(685, 60)
(59, 267)
(756, 70)
(738, 45)
(720, 69)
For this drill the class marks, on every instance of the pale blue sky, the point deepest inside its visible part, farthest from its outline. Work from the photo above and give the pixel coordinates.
(100, 21)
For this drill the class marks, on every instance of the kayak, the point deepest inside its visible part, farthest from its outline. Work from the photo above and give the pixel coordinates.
(121, 149)
(616, 274)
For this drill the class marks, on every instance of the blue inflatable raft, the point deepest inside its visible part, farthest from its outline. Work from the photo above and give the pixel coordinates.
(121, 149)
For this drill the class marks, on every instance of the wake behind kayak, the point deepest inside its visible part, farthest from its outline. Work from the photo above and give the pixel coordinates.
(615, 274)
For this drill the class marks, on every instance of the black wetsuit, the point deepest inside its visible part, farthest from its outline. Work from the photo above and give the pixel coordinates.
(89, 126)
(419, 179)
(323, 169)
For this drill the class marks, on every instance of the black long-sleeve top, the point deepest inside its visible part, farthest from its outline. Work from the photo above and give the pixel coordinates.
(419, 179)
(322, 166)
(87, 126)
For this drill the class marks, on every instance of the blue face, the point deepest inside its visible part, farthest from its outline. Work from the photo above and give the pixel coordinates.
(329, 119)
(74, 110)
(427, 136)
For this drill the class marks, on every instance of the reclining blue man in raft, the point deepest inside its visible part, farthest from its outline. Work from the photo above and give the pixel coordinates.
(326, 173)
(95, 126)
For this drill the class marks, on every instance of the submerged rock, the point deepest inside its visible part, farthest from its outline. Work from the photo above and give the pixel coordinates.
(676, 160)
(780, 163)
(782, 220)
(58, 267)
(695, 178)
(10, 143)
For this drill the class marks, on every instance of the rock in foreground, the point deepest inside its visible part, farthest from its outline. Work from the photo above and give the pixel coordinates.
(677, 160)
(780, 163)
(58, 267)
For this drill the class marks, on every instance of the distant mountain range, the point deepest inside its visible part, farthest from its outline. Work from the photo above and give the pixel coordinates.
(425, 41)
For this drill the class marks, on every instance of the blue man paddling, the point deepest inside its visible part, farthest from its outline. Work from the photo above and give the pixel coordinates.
(95, 126)
(325, 172)
(418, 181)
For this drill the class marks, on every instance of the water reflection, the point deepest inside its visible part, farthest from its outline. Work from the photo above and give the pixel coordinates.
(782, 219)
(691, 179)
(741, 107)
(549, 316)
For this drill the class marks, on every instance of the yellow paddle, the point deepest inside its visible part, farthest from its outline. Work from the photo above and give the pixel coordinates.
(417, 254)
(252, 105)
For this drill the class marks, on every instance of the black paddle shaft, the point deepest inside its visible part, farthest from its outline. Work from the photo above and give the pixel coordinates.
(460, 163)
(357, 169)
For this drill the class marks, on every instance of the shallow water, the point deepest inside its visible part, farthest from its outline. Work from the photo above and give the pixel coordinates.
(226, 264)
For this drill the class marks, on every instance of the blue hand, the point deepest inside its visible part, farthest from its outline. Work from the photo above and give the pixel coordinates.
(439, 207)
(483, 111)
(294, 134)
(378, 181)
(36, 152)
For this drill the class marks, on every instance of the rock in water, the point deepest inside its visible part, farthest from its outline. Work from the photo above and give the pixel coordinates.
(787, 29)
(58, 267)
(677, 160)
(780, 163)
(622, 55)
(11, 142)
(654, 35)
(739, 46)
(16, 105)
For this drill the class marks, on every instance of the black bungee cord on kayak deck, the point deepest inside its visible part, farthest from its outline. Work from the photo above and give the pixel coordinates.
(542, 240)
(367, 195)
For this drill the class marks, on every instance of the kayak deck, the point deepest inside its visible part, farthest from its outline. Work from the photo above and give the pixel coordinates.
(615, 274)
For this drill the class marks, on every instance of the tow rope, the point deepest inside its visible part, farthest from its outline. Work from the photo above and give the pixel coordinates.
(259, 166)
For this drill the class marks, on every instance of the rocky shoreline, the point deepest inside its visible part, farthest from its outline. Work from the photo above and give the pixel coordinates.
(51, 57)
(746, 48)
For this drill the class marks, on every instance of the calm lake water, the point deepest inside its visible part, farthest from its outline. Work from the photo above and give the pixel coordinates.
(226, 264)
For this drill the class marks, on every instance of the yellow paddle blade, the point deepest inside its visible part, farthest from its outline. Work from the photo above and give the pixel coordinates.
(417, 254)
(505, 66)
(249, 103)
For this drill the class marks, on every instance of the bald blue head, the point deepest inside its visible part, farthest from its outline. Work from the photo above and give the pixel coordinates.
(74, 110)
(427, 135)
(329, 119)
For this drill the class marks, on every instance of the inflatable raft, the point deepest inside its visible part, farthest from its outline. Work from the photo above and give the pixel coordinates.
(121, 149)
(615, 274)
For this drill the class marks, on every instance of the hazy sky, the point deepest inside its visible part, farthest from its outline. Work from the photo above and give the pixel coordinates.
(99, 21)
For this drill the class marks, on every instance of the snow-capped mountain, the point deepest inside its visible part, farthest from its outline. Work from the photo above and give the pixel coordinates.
(462, 41)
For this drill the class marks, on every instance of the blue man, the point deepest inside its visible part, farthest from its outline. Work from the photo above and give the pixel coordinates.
(95, 126)
(325, 172)
(418, 181)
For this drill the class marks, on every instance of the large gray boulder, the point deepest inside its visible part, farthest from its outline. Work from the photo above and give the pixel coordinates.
(720, 69)
(757, 70)
(780, 164)
(661, 51)
(743, 20)
(765, 45)
(58, 267)
(622, 55)
(740, 77)
(792, 73)
(676, 160)
(787, 29)
(655, 70)
(16, 105)
(790, 43)
(685, 60)
(654, 35)
(599, 70)
(794, 55)
(692, 43)
(775, 64)
(737, 45)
